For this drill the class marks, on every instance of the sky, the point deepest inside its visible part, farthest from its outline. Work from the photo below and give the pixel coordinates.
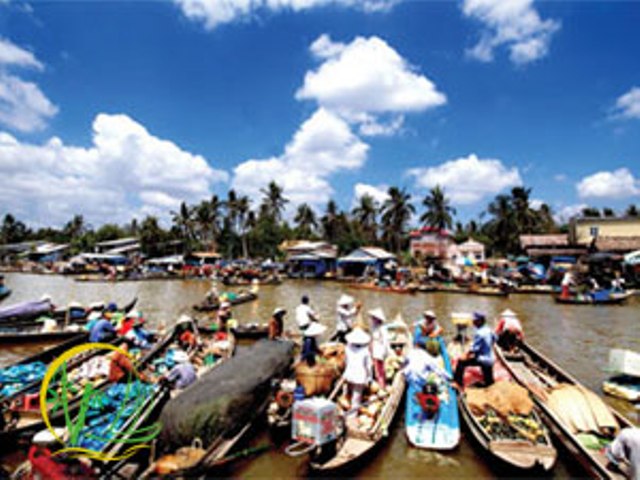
(120, 109)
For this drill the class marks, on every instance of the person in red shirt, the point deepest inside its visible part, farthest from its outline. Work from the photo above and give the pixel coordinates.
(509, 330)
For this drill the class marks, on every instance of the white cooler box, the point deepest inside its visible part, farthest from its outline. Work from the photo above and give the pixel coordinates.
(314, 421)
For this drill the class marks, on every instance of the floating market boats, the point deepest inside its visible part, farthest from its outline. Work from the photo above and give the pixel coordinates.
(598, 298)
(577, 416)
(435, 425)
(360, 437)
(409, 289)
(233, 299)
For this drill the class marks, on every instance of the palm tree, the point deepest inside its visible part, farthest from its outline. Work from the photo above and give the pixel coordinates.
(632, 211)
(365, 215)
(330, 222)
(544, 219)
(274, 200)
(501, 226)
(305, 220)
(396, 213)
(439, 212)
(523, 215)
(151, 236)
(183, 222)
(75, 227)
(243, 207)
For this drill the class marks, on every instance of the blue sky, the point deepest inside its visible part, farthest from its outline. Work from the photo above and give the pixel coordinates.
(120, 109)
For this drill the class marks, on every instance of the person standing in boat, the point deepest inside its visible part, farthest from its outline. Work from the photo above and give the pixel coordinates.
(223, 316)
(567, 281)
(480, 354)
(427, 327)
(626, 449)
(276, 323)
(305, 314)
(310, 343)
(357, 372)
(379, 344)
(347, 312)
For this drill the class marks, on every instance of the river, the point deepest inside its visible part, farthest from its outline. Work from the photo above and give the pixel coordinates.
(578, 338)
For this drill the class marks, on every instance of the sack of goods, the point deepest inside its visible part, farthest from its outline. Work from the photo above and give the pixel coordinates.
(225, 399)
(333, 353)
(315, 421)
(316, 380)
(503, 397)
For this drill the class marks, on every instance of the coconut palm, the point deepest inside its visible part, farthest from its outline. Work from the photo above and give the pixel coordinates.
(243, 207)
(274, 200)
(305, 220)
(439, 212)
(396, 213)
(329, 222)
(365, 214)
(632, 211)
(524, 217)
(501, 226)
(184, 224)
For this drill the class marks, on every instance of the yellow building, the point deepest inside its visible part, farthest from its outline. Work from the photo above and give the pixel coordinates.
(610, 234)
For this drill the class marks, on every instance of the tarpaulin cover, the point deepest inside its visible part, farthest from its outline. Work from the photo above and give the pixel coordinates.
(25, 309)
(222, 402)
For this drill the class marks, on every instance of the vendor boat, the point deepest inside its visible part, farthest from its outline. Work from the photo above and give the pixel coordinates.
(242, 297)
(598, 298)
(577, 416)
(360, 438)
(409, 289)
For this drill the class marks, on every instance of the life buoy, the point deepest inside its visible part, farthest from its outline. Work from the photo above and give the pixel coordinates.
(429, 402)
(284, 399)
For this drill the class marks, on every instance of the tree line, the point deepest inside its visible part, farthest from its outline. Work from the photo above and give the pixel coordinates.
(234, 228)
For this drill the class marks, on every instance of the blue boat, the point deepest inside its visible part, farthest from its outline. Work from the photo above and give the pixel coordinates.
(4, 292)
(440, 430)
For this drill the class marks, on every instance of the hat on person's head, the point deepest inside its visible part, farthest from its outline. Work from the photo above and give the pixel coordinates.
(429, 315)
(479, 317)
(45, 298)
(358, 336)
(74, 305)
(225, 305)
(314, 330)
(279, 311)
(94, 316)
(112, 307)
(180, 356)
(345, 300)
(377, 314)
(508, 313)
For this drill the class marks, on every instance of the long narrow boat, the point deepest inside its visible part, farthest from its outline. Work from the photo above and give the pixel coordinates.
(247, 283)
(243, 297)
(4, 292)
(534, 290)
(441, 430)
(483, 291)
(518, 441)
(377, 288)
(541, 376)
(358, 440)
(612, 299)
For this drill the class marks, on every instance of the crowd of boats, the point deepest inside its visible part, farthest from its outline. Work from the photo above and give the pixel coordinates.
(180, 401)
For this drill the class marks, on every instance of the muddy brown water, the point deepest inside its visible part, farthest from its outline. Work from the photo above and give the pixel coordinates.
(578, 338)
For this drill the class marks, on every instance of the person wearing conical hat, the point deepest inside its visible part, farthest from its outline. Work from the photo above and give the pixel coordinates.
(276, 323)
(310, 343)
(379, 344)
(358, 361)
(346, 317)
(509, 331)
(427, 327)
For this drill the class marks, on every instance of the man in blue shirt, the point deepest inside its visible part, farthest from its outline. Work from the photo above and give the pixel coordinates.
(102, 331)
(480, 354)
(184, 373)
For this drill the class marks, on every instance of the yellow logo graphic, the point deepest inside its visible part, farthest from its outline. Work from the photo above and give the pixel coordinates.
(53, 400)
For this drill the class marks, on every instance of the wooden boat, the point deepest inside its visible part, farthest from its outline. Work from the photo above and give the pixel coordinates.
(247, 283)
(4, 292)
(626, 387)
(427, 288)
(377, 288)
(242, 297)
(17, 335)
(517, 441)
(541, 376)
(442, 430)
(612, 299)
(357, 442)
(534, 289)
(472, 290)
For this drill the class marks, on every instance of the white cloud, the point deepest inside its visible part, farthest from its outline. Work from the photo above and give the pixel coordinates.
(323, 145)
(377, 192)
(617, 184)
(23, 106)
(126, 172)
(469, 179)
(628, 105)
(11, 54)
(213, 13)
(560, 177)
(364, 79)
(536, 203)
(567, 212)
(514, 24)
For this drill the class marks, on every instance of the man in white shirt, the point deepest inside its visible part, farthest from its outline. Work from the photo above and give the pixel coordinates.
(305, 314)
(346, 317)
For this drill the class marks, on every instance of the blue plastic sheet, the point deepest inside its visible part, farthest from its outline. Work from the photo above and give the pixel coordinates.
(16, 377)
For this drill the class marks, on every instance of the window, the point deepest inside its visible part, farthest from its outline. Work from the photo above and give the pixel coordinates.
(593, 231)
